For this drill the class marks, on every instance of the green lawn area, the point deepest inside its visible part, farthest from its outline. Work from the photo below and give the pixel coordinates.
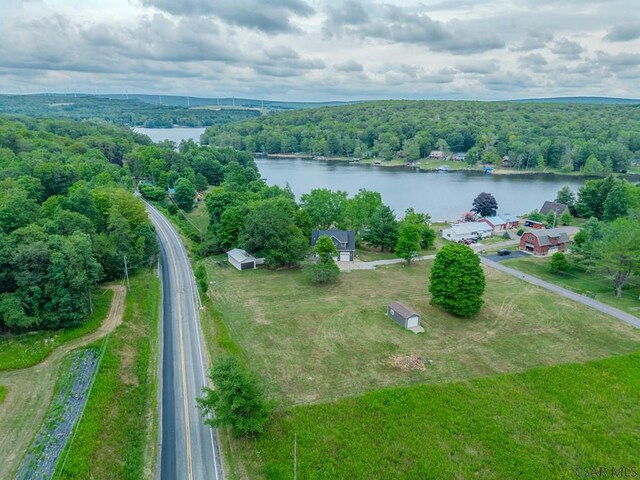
(581, 282)
(21, 351)
(3, 393)
(543, 423)
(315, 344)
(199, 216)
(117, 437)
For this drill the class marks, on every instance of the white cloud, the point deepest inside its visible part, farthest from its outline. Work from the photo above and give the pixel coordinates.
(322, 49)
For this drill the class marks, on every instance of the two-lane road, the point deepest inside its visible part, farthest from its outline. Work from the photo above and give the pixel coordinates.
(189, 448)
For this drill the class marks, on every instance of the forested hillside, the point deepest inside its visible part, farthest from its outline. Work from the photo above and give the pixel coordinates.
(68, 217)
(120, 111)
(567, 137)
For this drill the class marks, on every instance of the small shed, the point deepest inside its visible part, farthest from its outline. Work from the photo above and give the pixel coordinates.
(403, 315)
(242, 260)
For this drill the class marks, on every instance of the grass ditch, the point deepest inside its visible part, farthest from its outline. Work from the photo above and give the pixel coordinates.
(120, 420)
(544, 423)
(26, 350)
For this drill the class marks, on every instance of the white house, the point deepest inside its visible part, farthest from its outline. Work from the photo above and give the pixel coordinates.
(467, 230)
(242, 260)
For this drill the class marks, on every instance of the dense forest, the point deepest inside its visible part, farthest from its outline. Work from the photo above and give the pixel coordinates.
(131, 112)
(68, 218)
(595, 139)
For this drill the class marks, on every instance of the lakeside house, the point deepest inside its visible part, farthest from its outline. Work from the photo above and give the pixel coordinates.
(498, 224)
(534, 224)
(343, 240)
(459, 156)
(467, 231)
(545, 242)
(437, 154)
(553, 207)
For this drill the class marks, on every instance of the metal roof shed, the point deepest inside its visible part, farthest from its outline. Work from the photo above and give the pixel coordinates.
(403, 315)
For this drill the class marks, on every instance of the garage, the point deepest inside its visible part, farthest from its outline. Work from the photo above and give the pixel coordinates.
(345, 256)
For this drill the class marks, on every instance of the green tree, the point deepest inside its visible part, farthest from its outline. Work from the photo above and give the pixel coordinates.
(383, 229)
(566, 197)
(558, 263)
(236, 401)
(325, 249)
(271, 231)
(184, 194)
(565, 218)
(617, 203)
(485, 205)
(618, 253)
(324, 207)
(408, 245)
(359, 209)
(550, 219)
(593, 166)
(202, 278)
(231, 225)
(457, 280)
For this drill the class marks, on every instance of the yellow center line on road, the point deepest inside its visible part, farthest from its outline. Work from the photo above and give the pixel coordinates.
(182, 360)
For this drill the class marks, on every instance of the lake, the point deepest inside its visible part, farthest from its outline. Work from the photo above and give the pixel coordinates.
(445, 196)
(176, 134)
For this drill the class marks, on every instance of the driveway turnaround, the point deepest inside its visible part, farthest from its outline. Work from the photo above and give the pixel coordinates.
(589, 302)
(189, 449)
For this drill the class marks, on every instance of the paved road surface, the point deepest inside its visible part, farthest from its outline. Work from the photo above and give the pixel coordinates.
(189, 448)
(589, 302)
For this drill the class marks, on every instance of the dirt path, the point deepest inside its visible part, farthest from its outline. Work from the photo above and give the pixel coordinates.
(30, 389)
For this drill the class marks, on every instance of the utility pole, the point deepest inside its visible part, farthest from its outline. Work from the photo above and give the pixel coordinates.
(126, 271)
(295, 456)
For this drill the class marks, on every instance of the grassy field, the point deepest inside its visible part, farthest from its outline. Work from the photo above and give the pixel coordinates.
(22, 351)
(315, 344)
(582, 282)
(544, 423)
(116, 436)
(3, 393)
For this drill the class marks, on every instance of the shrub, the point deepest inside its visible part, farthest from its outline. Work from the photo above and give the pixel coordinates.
(558, 263)
(520, 232)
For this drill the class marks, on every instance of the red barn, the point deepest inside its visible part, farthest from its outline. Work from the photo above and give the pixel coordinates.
(544, 242)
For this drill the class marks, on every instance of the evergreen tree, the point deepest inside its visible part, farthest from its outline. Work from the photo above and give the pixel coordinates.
(558, 263)
(383, 229)
(617, 203)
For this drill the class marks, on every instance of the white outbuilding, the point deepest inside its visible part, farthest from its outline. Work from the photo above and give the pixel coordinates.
(242, 260)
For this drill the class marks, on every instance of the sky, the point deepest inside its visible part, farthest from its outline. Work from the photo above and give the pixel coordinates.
(320, 50)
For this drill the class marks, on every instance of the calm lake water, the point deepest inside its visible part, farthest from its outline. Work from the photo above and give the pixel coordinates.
(176, 134)
(445, 196)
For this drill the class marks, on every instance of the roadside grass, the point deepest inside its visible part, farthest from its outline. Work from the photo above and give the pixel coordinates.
(26, 350)
(199, 215)
(582, 282)
(552, 422)
(368, 254)
(120, 419)
(315, 344)
(3, 393)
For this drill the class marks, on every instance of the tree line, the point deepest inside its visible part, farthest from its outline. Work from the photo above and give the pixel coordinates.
(594, 139)
(122, 112)
(609, 241)
(67, 218)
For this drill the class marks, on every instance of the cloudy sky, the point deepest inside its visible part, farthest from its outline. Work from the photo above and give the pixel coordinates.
(323, 49)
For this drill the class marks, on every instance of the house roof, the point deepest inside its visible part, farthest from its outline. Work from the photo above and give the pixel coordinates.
(544, 236)
(240, 255)
(403, 310)
(495, 221)
(548, 206)
(342, 236)
(508, 217)
(470, 227)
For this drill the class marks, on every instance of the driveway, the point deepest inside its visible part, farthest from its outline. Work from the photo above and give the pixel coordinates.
(589, 302)
(498, 258)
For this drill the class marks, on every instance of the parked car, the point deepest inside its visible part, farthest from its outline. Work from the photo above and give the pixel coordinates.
(504, 252)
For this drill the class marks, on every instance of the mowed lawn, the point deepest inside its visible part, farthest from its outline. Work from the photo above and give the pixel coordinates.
(315, 344)
(580, 281)
(552, 422)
